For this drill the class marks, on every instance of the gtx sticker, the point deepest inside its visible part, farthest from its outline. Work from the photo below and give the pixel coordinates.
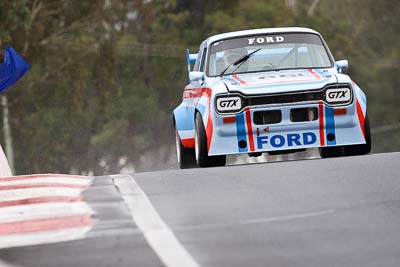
(338, 95)
(290, 140)
(229, 103)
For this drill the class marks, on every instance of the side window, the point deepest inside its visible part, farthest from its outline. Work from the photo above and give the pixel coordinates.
(203, 59)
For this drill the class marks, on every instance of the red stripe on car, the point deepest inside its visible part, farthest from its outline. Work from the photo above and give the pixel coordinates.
(249, 129)
(318, 77)
(234, 76)
(321, 124)
(188, 142)
(209, 128)
(361, 117)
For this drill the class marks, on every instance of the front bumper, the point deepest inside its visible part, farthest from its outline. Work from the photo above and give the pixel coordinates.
(332, 126)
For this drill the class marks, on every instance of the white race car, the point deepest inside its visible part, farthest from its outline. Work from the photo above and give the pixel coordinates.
(273, 90)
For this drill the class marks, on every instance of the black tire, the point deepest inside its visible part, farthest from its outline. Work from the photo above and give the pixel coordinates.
(331, 152)
(364, 149)
(201, 153)
(185, 156)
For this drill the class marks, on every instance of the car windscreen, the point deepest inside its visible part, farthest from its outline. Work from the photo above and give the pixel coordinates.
(275, 52)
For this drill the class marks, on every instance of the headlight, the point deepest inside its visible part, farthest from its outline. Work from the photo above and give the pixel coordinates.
(338, 95)
(229, 104)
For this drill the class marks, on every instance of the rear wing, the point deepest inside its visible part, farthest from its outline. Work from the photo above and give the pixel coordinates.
(190, 59)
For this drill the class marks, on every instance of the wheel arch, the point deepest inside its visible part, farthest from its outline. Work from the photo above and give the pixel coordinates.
(201, 109)
(361, 98)
(183, 120)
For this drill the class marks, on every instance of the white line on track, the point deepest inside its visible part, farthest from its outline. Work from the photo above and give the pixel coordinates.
(43, 210)
(35, 176)
(5, 264)
(288, 217)
(8, 195)
(158, 235)
(60, 180)
(43, 237)
(283, 218)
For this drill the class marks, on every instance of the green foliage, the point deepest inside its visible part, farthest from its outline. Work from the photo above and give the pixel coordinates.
(106, 75)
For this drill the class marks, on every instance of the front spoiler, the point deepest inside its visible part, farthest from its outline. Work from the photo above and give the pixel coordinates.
(241, 135)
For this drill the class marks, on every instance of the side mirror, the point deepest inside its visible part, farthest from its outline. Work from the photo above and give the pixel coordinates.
(190, 59)
(196, 75)
(342, 65)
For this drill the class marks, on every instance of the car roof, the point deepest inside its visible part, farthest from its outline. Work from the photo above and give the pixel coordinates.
(259, 31)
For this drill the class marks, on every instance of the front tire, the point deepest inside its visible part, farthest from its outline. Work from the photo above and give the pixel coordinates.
(185, 156)
(363, 149)
(201, 151)
(331, 152)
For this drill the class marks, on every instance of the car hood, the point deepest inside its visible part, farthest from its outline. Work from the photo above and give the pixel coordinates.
(282, 81)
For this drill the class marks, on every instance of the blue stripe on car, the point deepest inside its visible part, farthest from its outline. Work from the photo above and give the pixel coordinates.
(241, 131)
(330, 125)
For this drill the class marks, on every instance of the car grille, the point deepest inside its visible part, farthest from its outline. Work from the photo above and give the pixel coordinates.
(314, 96)
(284, 98)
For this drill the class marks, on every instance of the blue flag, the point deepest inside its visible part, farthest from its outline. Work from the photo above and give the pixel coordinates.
(13, 68)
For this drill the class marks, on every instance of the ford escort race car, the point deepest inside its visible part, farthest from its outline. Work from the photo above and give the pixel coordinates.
(273, 90)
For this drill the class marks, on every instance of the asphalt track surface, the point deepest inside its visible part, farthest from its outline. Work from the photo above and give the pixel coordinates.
(321, 212)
